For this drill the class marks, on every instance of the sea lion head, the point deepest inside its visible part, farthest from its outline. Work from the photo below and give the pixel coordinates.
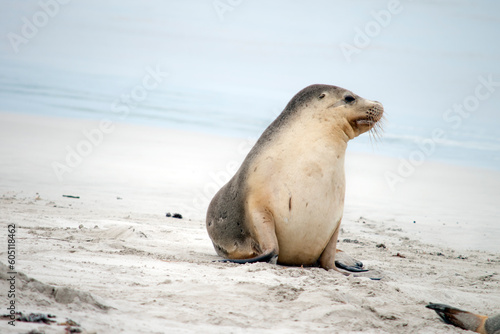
(351, 113)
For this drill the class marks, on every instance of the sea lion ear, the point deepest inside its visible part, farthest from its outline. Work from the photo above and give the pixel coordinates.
(322, 95)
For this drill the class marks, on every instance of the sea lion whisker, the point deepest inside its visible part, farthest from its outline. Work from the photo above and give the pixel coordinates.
(379, 126)
(375, 132)
(374, 138)
(370, 135)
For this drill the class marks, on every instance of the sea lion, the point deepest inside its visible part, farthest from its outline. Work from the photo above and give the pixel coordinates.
(466, 320)
(286, 201)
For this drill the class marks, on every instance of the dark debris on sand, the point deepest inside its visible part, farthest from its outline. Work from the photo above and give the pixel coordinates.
(175, 215)
(71, 325)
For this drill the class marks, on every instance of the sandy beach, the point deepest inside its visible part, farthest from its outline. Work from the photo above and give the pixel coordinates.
(118, 118)
(113, 262)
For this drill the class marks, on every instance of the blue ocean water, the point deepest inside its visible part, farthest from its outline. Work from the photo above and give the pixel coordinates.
(232, 68)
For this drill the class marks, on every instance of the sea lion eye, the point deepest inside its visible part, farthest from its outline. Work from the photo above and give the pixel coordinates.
(322, 95)
(349, 98)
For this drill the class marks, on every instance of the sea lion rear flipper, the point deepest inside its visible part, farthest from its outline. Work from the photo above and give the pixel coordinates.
(263, 241)
(459, 318)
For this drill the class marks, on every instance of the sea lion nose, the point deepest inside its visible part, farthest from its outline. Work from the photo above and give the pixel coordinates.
(379, 107)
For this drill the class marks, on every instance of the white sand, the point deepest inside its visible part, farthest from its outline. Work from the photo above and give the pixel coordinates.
(157, 276)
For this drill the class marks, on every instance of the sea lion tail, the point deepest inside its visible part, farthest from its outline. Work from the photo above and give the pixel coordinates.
(270, 257)
(462, 319)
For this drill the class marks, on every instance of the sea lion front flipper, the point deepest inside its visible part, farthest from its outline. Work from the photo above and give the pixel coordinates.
(353, 269)
(346, 262)
(348, 265)
(269, 257)
(459, 318)
(333, 258)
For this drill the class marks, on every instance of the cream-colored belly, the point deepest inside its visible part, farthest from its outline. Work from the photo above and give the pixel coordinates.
(306, 217)
(300, 180)
(306, 199)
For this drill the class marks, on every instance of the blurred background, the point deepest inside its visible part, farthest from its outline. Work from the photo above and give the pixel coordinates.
(233, 65)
